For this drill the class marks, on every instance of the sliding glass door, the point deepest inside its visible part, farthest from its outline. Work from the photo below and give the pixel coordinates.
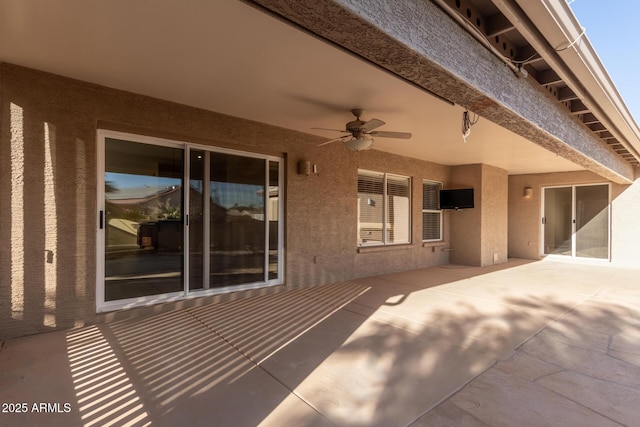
(592, 221)
(179, 220)
(576, 221)
(558, 220)
(142, 219)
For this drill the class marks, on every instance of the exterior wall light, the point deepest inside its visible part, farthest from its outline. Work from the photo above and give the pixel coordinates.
(528, 192)
(304, 167)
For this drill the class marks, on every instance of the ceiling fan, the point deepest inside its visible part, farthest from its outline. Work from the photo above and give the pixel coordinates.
(361, 133)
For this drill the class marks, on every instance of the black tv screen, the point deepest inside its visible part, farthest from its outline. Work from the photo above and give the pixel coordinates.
(456, 199)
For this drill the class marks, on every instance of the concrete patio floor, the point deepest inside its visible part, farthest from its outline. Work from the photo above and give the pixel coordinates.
(524, 343)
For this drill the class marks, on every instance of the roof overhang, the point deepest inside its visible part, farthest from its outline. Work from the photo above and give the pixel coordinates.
(231, 58)
(557, 36)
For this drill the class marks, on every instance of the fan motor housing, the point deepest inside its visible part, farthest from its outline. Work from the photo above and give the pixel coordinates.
(355, 126)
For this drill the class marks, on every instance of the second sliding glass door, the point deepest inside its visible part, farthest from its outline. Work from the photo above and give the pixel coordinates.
(576, 221)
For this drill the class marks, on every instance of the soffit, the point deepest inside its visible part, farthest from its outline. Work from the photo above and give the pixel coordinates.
(231, 58)
(546, 40)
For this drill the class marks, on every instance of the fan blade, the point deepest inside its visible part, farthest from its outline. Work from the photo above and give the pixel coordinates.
(371, 125)
(332, 140)
(387, 134)
(333, 130)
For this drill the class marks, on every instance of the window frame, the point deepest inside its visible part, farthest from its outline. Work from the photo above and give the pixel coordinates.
(385, 210)
(432, 211)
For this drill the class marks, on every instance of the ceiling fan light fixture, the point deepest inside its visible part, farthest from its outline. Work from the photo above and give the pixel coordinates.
(361, 133)
(358, 144)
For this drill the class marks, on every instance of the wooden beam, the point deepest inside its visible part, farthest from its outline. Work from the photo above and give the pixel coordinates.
(589, 118)
(578, 107)
(566, 94)
(597, 127)
(548, 77)
(497, 24)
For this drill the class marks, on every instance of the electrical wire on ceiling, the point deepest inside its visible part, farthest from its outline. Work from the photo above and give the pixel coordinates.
(467, 122)
(522, 61)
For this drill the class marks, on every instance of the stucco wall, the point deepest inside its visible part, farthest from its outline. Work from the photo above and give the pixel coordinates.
(48, 217)
(479, 235)
(625, 223)
(525, 225)
(495, 218)
(466, 224)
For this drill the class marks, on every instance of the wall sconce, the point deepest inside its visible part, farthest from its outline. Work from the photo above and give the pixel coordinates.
(528, 192)
(304, 167)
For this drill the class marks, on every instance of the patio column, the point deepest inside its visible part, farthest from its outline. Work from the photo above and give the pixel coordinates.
(479, 235)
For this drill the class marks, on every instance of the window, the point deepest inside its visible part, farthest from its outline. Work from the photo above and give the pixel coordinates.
(384, 208)
(431, 213)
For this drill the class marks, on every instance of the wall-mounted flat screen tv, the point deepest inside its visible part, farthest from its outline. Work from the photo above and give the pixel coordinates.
(456, 199)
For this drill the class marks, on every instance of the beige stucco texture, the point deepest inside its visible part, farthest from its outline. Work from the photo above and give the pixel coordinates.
(48, 221)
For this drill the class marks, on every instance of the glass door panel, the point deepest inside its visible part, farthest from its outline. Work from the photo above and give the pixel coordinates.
(196, 218)
(237, 220)
(592, 221)
(273, 207)
(143, 219)
(558, 215)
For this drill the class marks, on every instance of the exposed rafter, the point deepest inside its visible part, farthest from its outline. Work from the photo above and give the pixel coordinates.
(505, 38)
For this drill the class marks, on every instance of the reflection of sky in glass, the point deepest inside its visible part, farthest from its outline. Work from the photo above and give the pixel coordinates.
(228, 194)
(135, 186)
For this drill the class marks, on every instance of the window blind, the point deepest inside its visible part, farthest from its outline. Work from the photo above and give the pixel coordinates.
(431, 213)
(384, 208)
(398, 209)
(370, 207)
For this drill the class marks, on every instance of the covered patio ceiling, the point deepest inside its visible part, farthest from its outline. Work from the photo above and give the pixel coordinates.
(228, 57)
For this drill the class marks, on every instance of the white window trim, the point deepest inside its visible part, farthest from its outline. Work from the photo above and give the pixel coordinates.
(384, 211)
(573, 256)
(105, 306)
(438, 211)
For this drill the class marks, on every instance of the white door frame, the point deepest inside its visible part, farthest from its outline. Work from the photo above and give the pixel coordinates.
(573, 221)
(101, 304)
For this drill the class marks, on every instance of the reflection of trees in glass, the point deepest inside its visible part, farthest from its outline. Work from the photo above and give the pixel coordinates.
(215, 197)
(110, 187)
(135, 213)
(168, 211)
(138, 208)
(228, 194)
(249, 208)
